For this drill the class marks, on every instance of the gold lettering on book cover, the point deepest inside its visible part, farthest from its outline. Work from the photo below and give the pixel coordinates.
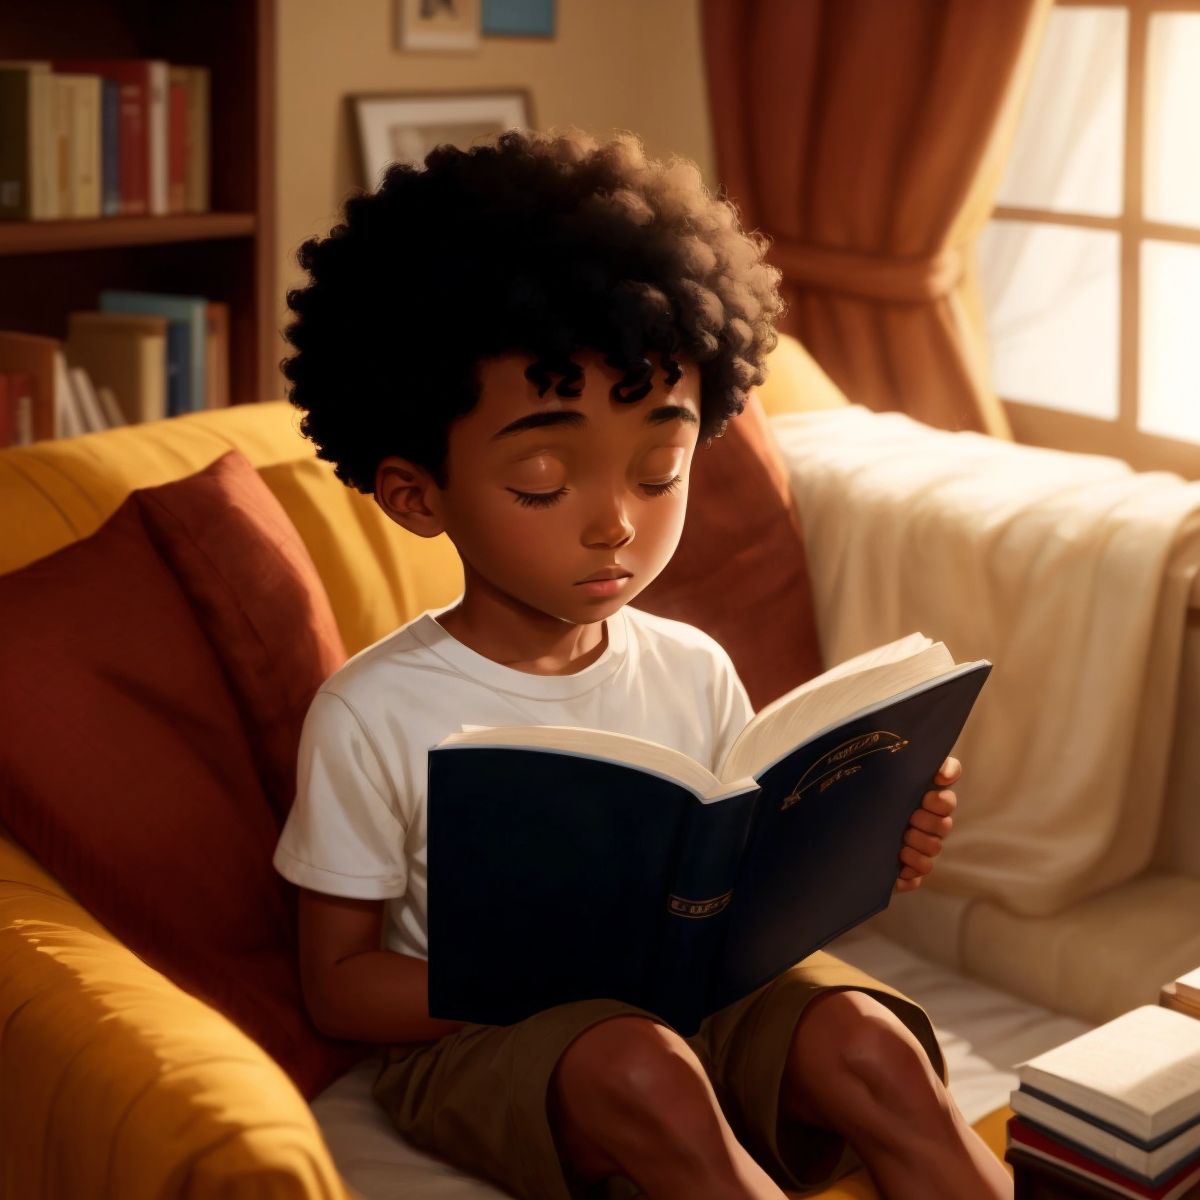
(683, 907)
(836, 765)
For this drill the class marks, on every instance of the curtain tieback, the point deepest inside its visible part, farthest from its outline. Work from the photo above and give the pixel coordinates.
(871, 276)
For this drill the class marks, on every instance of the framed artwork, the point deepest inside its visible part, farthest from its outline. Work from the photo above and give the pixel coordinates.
(405, 126)
(437, 25)
(518, 18)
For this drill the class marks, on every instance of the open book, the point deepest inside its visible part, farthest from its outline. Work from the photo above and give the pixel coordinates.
(567, 864)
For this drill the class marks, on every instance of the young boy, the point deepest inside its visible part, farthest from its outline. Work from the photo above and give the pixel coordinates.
(521, 346)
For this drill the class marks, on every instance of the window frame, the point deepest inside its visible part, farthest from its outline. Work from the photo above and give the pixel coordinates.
(1120, 437)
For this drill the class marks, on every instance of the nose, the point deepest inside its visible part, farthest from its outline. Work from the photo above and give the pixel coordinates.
(608, 524)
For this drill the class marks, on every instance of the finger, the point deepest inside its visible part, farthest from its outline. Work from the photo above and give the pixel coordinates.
(914, 858)
(930, 822)
(941, 803)
(950, 772)
(926, 843)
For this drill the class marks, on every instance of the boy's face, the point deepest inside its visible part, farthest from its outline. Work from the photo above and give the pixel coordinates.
(543, 492)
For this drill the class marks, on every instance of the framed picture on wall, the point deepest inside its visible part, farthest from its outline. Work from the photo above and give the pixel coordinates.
(437, 24)
(518, 18)
(405, 126)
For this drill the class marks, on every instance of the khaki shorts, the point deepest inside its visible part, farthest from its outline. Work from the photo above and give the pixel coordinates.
(478, 1098)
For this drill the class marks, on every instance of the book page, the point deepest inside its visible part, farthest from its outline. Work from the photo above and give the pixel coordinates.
(599, 743)
(1144, 1063)
(827, 699)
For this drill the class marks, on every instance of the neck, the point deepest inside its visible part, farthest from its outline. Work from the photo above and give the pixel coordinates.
(503, 629)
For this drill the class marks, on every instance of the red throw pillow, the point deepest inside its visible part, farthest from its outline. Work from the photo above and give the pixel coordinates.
(259, 599)
(740, 572)
(126, 769)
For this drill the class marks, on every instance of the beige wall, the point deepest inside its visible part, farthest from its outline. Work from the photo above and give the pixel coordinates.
(612, 64)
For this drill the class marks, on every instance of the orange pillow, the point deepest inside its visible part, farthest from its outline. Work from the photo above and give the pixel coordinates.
(258, 597)
(128, 771)
(740, 571)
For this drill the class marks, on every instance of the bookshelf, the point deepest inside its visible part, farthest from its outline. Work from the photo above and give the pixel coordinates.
(53, 267)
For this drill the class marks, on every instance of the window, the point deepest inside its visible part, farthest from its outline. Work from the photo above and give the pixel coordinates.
(1090, 264)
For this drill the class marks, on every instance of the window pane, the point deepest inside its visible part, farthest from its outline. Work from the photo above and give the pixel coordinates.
(1172, 168)
(1069, 146)
(1169, 369)
(1051, 296)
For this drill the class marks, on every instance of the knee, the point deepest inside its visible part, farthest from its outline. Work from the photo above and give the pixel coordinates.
(635, 1069)
(868, 1048)
(879, 1051)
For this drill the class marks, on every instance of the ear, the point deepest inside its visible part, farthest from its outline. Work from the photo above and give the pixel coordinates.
(408, 495)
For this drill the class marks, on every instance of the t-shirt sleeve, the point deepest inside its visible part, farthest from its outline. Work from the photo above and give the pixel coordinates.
(732, 709)
(345, 833)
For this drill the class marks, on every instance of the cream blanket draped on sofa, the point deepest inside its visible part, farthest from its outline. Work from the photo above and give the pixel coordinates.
(1070, 572)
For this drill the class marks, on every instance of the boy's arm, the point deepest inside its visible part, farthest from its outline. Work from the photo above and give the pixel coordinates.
(352, 988)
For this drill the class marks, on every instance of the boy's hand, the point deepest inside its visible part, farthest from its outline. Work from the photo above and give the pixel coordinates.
(927, 827)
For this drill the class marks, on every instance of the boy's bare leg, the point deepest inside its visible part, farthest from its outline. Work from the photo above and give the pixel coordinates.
(629, 1097)
(856, 1068)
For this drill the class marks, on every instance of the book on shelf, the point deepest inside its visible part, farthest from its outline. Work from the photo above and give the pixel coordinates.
(1027, 1141)
(91, 137)
(16, 408)
(568, 863)
(144, 127)
(1126, 1093)
(126, 353)
(52, 409)
(187, 334)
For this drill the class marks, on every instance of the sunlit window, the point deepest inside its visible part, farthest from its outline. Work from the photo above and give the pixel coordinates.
(1090, 265)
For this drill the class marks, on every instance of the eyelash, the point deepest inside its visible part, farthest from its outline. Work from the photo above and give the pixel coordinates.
(535, 500)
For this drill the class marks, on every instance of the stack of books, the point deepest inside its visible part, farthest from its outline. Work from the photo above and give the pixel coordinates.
(93, 137)
(1183, 994)
(141, 356)
(1118, 1106)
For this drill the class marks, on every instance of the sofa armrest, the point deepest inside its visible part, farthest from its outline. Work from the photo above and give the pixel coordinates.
(116, 1083)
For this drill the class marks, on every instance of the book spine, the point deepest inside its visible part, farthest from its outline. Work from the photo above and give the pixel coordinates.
(179, 340)
(158, 167)
(177, 135)
(111, 147)
(694, 911)
(16, 144)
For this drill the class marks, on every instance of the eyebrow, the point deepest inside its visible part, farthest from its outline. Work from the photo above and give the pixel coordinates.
(573, 419)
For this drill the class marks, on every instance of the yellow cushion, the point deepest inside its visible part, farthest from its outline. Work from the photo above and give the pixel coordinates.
(795, 382)
(118, 1083)
(377, 575)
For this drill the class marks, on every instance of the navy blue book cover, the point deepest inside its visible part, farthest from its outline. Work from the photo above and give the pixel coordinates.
(556, 876)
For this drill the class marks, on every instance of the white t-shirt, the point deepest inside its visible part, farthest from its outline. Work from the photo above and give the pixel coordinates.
(358, 824)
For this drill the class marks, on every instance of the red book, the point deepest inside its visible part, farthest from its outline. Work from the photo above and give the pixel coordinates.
(143, 170)
(8, 413)
(16, 408)
(1041, 1144)
(177, 148)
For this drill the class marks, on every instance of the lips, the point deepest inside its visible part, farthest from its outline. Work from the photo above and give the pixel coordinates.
(606, 573)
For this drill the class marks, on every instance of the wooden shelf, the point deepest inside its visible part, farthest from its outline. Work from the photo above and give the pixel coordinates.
(52, 268)
(39, 237)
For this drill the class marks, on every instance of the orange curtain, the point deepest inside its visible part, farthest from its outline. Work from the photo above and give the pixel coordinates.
(867, 140)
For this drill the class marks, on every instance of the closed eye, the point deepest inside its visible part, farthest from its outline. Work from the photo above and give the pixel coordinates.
(661, 489)
(546, 499)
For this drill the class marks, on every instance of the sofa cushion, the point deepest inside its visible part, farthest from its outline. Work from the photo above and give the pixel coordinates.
(259, 599)
(127, 771)
(740, 572)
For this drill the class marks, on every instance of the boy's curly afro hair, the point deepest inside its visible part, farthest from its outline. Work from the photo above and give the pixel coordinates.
(540, 243)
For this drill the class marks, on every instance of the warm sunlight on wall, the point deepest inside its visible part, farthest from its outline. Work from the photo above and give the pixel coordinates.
(613, 64)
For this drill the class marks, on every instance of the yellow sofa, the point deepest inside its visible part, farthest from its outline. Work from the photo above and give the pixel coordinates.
(113, 1081)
